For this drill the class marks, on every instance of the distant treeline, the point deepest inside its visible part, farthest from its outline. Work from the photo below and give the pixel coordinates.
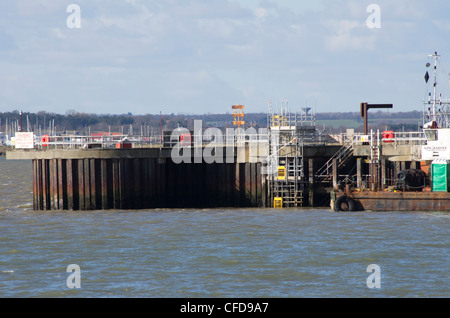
(152, 123)
(372, 114)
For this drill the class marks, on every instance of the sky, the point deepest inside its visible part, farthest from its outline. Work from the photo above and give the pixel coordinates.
(203, 56)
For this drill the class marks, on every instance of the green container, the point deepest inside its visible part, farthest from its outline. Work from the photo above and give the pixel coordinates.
(440, 176)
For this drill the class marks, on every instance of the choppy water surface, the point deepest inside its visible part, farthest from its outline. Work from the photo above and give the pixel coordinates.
(215, 253)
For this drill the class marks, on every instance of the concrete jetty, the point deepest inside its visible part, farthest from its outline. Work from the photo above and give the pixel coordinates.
(141, 178)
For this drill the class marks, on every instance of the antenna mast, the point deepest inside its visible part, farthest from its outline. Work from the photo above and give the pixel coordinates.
(437, 114)
(435, 57)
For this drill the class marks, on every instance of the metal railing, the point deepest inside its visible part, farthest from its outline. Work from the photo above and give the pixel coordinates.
(111, 141)
(78, 141)
(398, 138)
(211, 140)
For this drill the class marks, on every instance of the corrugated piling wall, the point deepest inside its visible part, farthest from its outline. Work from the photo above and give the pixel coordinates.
(135, 180)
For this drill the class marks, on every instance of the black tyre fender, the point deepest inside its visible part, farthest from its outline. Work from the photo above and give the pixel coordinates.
(352, 205)
(339, 201)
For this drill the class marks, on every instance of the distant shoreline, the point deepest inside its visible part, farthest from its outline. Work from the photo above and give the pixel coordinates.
(150, 124)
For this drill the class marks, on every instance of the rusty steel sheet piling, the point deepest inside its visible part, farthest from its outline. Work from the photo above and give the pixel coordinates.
(102, 182)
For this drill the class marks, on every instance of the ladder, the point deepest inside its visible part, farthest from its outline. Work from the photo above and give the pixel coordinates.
(289, 188)
(375, 147)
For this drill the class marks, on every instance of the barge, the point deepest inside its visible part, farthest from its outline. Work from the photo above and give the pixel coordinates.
(392, 201)
(425, 186)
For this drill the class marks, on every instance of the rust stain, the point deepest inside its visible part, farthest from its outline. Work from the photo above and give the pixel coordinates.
(402, 201)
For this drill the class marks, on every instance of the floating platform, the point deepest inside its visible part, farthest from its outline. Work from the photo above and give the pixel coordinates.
(380, 201)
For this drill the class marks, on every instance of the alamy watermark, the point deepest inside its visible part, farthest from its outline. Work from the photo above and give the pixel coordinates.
(74, 279)
(249, 145)
(374, 279)
(374, 19)
(73, 21)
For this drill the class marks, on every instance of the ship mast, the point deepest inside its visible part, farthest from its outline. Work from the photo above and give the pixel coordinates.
(435, 56)
(438, 109)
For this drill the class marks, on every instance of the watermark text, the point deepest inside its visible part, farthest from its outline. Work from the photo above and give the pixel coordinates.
(374, 279)
(74, 19)
(374, 19)
(74, 279)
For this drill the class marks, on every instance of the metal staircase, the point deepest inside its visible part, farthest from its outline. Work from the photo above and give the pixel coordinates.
(325, 173)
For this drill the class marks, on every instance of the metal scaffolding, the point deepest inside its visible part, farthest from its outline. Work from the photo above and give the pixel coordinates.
(288, 132)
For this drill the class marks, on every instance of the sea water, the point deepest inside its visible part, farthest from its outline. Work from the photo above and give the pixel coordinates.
(257, 252)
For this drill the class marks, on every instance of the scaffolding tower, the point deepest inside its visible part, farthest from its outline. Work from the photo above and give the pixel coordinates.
(288, 133)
